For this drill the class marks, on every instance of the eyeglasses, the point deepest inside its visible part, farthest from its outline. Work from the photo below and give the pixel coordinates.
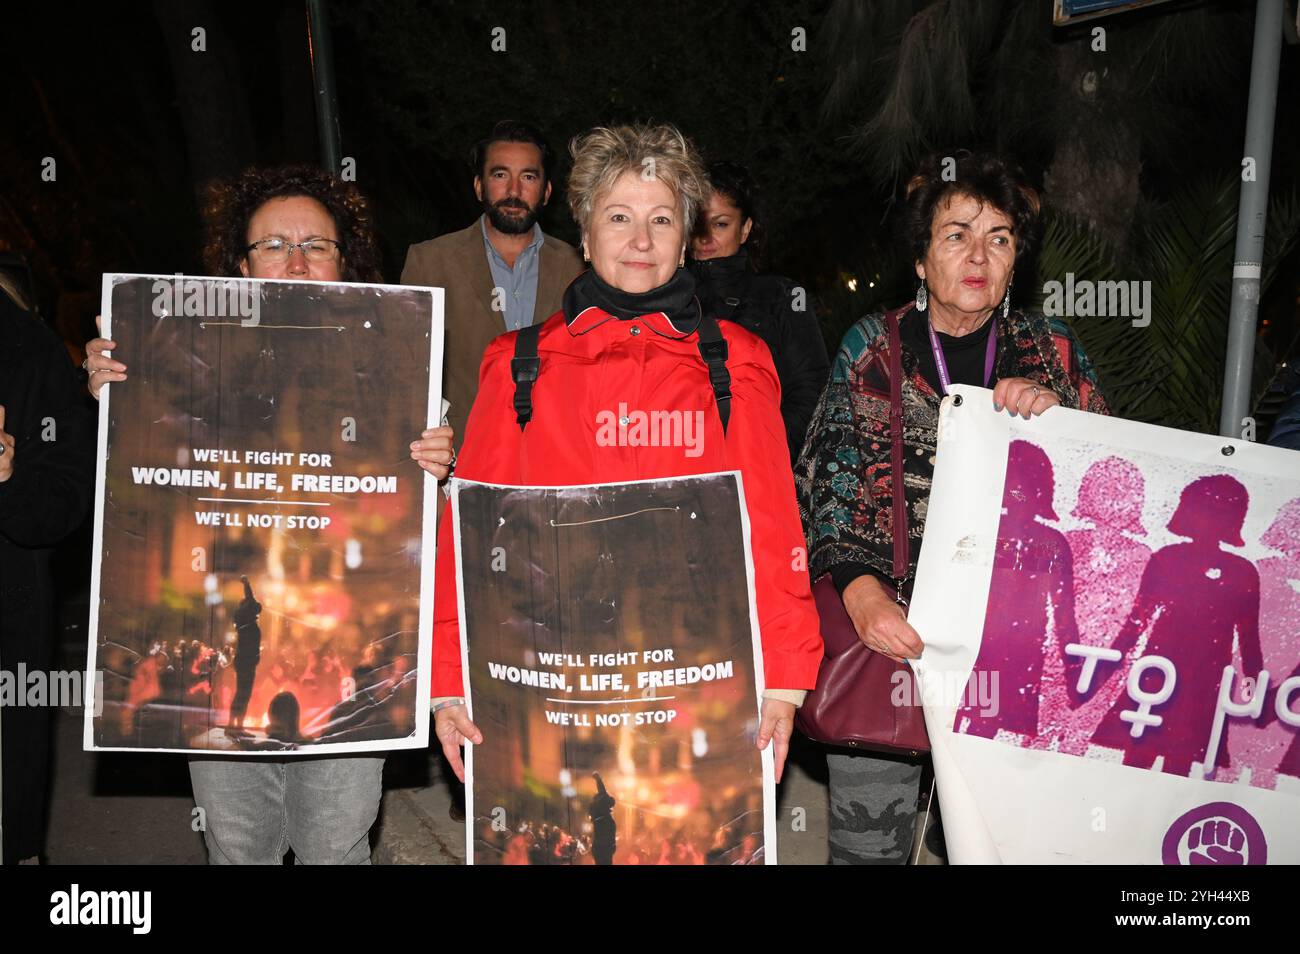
(277, 250)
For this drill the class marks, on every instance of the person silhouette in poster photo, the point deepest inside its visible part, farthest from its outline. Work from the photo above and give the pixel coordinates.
(248, 653)
(604, 834)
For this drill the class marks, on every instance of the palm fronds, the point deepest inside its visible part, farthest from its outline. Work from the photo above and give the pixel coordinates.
(1170, 371)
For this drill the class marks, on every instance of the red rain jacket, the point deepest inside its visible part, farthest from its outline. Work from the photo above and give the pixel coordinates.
(594, 365)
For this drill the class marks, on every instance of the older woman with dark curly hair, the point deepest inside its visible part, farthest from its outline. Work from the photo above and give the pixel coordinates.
(287, 222)
(967, 227)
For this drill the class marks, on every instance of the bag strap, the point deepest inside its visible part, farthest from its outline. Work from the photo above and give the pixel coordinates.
(523, 370)
(713, 349)
(902, 550)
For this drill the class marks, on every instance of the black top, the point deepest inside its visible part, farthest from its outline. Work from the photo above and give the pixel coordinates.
(48, 494)
(780, 313)
(964, 356)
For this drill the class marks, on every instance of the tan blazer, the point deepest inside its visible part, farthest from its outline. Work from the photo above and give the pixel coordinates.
(458, 263)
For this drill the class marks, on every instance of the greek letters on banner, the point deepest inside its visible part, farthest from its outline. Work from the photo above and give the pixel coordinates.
(1111, 613)
(614, 669)
(260, 529)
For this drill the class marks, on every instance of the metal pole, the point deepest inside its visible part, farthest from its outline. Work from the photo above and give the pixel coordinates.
(321, 51)
(1251, 212)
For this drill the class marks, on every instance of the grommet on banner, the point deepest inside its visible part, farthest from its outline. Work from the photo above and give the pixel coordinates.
(1228, 450)
(956, 400)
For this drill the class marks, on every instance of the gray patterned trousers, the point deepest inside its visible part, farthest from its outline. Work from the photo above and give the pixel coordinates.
(873, 808)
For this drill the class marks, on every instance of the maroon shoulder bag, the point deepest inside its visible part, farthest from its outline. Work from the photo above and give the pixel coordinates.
(853, 704)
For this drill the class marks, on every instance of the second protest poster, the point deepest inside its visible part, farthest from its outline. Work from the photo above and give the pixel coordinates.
(615, 672)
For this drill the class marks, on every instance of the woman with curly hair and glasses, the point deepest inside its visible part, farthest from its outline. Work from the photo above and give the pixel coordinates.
(287, 222)
(966, 228)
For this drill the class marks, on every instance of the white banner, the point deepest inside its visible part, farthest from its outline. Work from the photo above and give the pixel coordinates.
(1111, 614)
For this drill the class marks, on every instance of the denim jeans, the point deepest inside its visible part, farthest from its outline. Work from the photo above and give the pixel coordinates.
(256, 809)
(873, 808)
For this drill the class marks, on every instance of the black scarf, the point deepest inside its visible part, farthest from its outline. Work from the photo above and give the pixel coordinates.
(724, 269)
(675, 298)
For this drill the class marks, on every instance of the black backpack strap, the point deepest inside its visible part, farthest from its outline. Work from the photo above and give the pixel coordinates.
(713, 349)
(525, 365)
(523, 370)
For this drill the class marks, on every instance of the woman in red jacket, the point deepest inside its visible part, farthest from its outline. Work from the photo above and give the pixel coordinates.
(628, 335)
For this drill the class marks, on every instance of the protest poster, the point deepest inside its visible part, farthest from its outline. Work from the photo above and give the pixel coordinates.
(614, 668)
(263, 541)
(1111, 613)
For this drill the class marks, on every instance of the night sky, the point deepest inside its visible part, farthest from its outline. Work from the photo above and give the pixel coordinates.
(137, 120)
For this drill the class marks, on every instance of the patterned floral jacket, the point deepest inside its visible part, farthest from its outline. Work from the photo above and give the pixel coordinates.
(843, 475)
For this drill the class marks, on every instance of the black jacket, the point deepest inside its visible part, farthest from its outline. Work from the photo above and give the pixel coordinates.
(777, 311)
(49, 494)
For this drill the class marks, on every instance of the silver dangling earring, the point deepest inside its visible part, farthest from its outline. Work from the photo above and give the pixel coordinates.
(1006, 303)
(922, 297)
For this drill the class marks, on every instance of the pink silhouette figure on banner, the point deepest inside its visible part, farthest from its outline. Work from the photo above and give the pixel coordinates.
(1032, 592)
(1272, 747)
(1108, 565)
(1195, 599)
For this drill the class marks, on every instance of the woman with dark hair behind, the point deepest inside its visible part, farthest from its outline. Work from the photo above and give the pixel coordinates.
(726, 252)
(294, 223)
(966, 229)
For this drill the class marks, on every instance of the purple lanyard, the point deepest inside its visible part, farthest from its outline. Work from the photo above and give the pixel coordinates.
(942, 365)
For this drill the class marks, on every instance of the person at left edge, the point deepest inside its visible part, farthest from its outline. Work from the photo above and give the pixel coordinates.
(630, 326)
(1286, 427)
(47, 481)
(287, 222)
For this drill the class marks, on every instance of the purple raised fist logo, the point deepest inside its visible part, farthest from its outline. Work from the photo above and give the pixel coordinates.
(1219, 833)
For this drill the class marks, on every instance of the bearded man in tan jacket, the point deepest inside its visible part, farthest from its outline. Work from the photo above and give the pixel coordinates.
(502, 273)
